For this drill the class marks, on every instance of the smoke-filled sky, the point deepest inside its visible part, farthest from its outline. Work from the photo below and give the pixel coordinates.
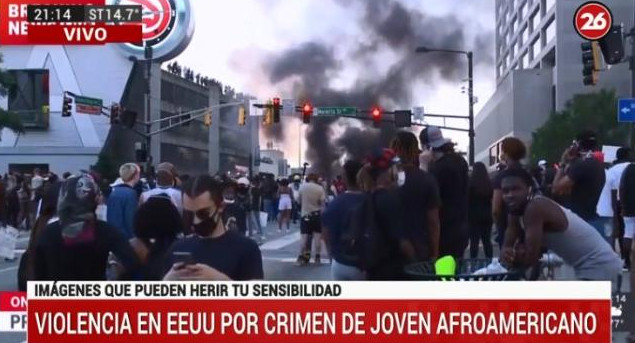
(346, 52)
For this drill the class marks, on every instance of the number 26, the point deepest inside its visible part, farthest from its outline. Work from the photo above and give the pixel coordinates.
(594, 23)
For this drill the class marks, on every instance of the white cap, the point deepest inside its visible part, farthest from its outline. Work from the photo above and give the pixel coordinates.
(243, 181)
(542, 163)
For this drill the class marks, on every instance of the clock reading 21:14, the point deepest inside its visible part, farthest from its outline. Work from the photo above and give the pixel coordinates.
(52, 14)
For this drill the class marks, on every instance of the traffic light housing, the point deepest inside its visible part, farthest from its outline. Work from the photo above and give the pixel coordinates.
(115, 112)
(276, 110)
(207, 119)
(242, 116)
(67, 107)
(375, 114)
(307, 111)
(268, 114)
(403, 119)
(612, 45)
(591, 63)
(128, 118)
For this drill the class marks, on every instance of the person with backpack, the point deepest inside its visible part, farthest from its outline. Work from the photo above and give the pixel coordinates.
(336, 219)
(377, 238)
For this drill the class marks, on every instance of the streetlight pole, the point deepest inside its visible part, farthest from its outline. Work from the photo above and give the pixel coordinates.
(148, 114)
(470, 73)
(470, 90)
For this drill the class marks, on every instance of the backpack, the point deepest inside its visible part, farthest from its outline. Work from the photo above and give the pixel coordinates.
(362, 243)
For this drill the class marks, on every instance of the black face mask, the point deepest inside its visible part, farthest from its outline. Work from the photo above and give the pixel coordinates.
(207, 226)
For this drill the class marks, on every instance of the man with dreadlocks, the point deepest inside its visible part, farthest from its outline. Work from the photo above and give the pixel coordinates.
(77, 246)
(419, 196)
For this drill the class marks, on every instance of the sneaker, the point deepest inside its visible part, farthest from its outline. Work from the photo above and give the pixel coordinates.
(302, 260)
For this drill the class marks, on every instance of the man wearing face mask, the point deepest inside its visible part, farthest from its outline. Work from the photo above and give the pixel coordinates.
(214, 253)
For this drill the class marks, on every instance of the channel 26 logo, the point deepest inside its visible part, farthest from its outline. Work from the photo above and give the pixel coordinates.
(593, 20)
(622, 312)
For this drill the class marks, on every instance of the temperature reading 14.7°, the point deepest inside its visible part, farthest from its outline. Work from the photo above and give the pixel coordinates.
(114, 14)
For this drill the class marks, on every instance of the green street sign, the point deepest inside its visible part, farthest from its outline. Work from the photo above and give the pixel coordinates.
(88, 105)
(335, 111)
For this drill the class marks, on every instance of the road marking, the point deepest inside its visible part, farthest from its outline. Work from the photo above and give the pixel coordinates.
(8, 269)
(281, 242)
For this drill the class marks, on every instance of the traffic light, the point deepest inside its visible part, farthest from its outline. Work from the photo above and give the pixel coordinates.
(591, 62)
(242, 116)
(67, 107)
(268, 114)
(375, 113)
(307, 111)
(612, 45)
(128, 118)
(276, 110)
(403, 118)
(207, 119)
(115, 111)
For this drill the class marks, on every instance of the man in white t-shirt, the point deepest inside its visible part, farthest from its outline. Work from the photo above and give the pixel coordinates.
(614, 175)
(165, 185)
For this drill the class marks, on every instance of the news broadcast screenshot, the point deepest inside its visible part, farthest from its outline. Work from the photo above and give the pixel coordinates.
(344, 171)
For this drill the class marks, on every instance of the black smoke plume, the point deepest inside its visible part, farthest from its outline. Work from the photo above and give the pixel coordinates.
(387, 24)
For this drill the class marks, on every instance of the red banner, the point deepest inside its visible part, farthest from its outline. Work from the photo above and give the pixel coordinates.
(312, 321)
(13, 301)
(64, 34)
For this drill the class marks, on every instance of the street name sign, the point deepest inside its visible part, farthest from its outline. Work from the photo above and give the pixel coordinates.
(335, 111)
(626, 110)
(88, 105)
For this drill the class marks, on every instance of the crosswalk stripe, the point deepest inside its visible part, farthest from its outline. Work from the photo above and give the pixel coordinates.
(281, 242)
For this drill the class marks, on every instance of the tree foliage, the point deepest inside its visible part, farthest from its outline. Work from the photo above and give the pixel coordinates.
(9, 120)
(595, 111)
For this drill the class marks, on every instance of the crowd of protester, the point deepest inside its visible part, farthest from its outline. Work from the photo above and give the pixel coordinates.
(414, 201)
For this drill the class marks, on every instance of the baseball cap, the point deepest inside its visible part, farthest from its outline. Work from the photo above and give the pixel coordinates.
(243, 181)
(542, 163)
(433, 137)
(381, 159)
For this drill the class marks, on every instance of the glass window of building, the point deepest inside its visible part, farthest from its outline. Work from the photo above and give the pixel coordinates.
(526, 60)
(536, 47)
(513, 51)
(515, 25)
(522, 11)
(525, 35)
(550, 31)
(535, 21)
(549, 4)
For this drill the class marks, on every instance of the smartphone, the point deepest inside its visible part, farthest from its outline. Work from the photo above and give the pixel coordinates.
(183, 257)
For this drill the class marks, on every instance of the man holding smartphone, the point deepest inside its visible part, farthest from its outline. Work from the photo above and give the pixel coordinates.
(213, 253)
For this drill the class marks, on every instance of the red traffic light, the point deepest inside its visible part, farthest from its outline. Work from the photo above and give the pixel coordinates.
(376, 113)
(307, 111)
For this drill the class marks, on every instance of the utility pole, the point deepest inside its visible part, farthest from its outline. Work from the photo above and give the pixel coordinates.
(632, 67)
(470, 90)
(148, 113)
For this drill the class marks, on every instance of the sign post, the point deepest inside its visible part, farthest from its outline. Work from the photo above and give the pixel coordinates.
(88, 105)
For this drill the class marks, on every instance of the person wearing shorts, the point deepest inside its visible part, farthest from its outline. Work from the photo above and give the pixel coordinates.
(285, 205)
(312, 198)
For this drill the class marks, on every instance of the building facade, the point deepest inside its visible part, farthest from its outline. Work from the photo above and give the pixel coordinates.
(76, 142)
(272, 161)
(539, 68)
